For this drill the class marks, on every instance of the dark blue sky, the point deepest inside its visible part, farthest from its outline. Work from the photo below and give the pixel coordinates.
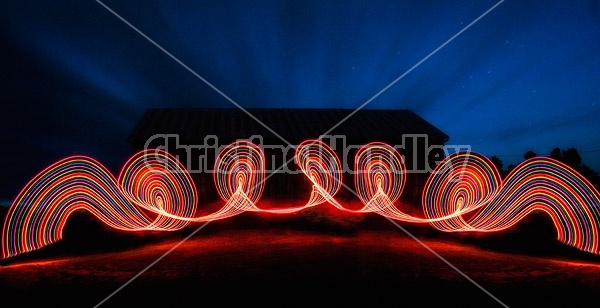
(75, 78)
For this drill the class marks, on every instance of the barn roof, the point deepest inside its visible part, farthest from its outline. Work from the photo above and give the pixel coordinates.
(293, 124)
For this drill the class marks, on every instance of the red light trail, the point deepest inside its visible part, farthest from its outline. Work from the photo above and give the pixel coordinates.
(154, 192)
(470, 183)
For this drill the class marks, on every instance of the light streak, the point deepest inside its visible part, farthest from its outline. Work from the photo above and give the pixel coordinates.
(468, 182)
(153, 191)
(133, 202)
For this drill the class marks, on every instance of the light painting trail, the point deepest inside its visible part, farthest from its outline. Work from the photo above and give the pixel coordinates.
(154, 192)
(379, 179)
(39, 213)
(322, 167)
(240, 179)
(466, 182)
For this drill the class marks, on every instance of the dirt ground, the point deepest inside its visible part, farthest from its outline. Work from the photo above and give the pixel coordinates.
(277, 264)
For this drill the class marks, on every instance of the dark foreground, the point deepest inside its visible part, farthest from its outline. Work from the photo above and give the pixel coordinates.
(278, 266)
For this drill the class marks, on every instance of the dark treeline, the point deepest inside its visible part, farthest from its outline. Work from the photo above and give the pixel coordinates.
(570, 157)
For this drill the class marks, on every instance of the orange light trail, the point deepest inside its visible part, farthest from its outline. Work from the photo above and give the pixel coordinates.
(468, 182)
(131, 202)
(154, 192)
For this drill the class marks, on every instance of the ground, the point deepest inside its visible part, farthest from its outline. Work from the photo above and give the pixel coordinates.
(279, 262)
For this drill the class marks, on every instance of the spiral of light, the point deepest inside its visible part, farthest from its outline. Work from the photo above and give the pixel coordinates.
(539, 183)
(378, 168)
(379, 180)
(240, 166)
(461, 183)
(154, 192)
(239, 177)
(153, 181)
(322, 167)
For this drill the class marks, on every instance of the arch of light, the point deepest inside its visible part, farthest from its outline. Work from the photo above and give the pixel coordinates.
(153, 191)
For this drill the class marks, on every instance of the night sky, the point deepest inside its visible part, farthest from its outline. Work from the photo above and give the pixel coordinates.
(76, 79)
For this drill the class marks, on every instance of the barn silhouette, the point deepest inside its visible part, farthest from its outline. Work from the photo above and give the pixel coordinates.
(194, 136)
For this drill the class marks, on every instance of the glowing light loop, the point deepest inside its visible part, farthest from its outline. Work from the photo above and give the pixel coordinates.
(153, 191)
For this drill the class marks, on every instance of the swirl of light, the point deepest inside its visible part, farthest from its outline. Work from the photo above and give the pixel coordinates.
(539, 183)
(157, 182)
(378, 169)
(322, 167)
(154, 192)
(239, 177)
(154, 181)
(461, 183)
(379, 178)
